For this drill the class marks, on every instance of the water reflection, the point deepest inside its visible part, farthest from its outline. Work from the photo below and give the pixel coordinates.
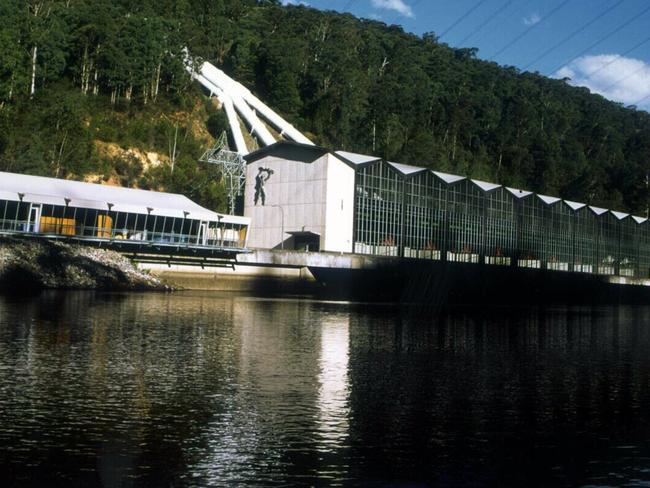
(518, 399)
(208, 390)
(333, 399)
(333, 379)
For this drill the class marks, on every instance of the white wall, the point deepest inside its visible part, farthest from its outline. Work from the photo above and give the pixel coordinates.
(339, 214)
(316, 197)
(299, 188)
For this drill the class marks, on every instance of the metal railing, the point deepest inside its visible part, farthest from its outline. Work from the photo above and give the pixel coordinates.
(608, 265)
(134, 236)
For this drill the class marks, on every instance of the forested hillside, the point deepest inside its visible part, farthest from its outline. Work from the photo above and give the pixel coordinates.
(97, 89)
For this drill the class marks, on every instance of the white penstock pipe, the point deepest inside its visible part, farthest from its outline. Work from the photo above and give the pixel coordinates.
(222, 79)
(278, 122)
(228, 85)
(233, 121)
(219, 78)
(253, 121)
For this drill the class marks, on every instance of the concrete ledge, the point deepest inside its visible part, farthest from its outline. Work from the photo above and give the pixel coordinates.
(300, 259)
(243, 278)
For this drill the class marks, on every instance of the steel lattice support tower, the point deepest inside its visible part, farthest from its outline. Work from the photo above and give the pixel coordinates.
(232, 166)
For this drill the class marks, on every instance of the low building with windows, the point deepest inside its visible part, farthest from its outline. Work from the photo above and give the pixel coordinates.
(308, 198)
(34, 205)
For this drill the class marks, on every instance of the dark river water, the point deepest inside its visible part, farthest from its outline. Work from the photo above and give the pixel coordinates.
(191, 389)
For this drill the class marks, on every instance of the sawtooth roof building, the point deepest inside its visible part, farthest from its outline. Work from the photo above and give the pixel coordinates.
(305, 197)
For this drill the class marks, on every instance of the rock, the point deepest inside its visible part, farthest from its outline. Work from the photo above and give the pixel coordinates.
(33, 263)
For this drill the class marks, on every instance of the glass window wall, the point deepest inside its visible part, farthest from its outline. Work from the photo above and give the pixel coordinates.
(558, 242)
(379, 204)
(426, 216)
(585, 240)
(466, 217)
(608, 244)
(500, 231)
(643, 239)
(628, 248)
(531, 232)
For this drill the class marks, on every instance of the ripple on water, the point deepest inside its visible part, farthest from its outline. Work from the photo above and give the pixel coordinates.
(207, 390)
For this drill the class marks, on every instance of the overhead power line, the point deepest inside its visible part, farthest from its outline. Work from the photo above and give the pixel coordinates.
(544, 19)
(630, 75)
(573, 34)
(415, 4)
(462, 17)
(638, 102)
(618, 57)
(603, 39)
(486, 22)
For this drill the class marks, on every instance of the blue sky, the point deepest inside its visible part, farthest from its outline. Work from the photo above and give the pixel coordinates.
(601, 44)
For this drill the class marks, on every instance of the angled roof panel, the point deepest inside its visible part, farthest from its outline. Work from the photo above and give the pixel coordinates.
(406, 169)
(485, 186)
(447, 178)
(639, 220)
(575, 205)
(597, 210)
(619, 215)
(355, 158)
(519, 193)
(548, 200)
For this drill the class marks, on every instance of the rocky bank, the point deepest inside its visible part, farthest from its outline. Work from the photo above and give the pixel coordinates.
(40, 264)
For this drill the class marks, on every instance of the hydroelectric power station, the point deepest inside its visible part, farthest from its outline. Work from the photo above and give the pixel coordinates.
(382, 226)
(354, 224)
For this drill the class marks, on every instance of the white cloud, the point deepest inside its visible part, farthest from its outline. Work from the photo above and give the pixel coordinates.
(625, 80)
(532, 19)
(293, 2)
(397, 5)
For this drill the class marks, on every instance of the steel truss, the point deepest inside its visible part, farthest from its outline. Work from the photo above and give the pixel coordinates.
(232, 166)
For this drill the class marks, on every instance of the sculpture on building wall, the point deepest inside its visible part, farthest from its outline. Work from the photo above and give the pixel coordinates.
(263, 175)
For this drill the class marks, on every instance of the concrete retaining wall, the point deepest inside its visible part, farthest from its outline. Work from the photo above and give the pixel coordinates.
(251, 279)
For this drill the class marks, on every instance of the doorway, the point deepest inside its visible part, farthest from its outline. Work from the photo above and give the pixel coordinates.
(203, 234)
(34, 220)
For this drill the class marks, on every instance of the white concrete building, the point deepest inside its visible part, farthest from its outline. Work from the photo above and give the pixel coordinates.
(299, 196)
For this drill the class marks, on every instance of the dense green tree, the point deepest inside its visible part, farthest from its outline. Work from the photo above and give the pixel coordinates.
(13, 57)
(77, 71)
(49, 135)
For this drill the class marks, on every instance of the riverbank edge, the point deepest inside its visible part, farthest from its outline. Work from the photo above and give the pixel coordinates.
(39, 264)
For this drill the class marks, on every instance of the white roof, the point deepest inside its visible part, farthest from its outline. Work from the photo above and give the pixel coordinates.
(53, 191)
(639, 220)
(575, 205)
(597, 210)
(548, 200)
(485, 186)
(355, 158)
(447, 178)
(519, 193)
(406, 169)
(619, 215)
